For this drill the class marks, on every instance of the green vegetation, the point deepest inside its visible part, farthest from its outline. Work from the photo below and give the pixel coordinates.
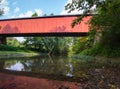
(14, 48)
(13, 45)
(50, 45)
(34, 14)
(13, 42)
(12, 51)
(104, 35)
(8, 48)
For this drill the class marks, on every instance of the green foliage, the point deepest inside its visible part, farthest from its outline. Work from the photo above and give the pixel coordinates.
(95, 50)
(78, 45)
(110, 52)
(52, 14)
(13, 42)
(13, 48)
(82, 43)
(86, 6)
(106, 22)
(7, 48)
(51, 45)
(101, 51)
(61, 45)
(34, 14)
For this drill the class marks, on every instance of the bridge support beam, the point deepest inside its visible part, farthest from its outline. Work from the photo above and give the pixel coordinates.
(3, 40)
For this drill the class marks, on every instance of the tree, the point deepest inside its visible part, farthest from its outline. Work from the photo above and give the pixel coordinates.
(105, 20)
(13, 42)
(49, 44)
(61, 45)
(92, 7)
(55, 45)
(85, 6)
(34, 14)
(51, 14)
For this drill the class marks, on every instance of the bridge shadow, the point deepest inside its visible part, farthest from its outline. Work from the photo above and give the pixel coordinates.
(59, 29)
(8, 29)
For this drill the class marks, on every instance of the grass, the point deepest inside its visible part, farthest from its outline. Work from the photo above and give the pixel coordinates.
(9, 54)
(15, 52)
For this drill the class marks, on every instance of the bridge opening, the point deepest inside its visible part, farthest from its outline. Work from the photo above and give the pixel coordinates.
(55, 45)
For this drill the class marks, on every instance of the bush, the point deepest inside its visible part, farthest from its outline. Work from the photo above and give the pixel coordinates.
(95, 50)
(108, 52)
(7, 48)
(85, 52)
(99, 50)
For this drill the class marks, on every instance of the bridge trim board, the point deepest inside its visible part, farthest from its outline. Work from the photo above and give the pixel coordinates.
(46, 35)
(54, 16)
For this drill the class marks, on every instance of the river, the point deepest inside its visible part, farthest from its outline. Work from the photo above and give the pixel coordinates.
(95, 72)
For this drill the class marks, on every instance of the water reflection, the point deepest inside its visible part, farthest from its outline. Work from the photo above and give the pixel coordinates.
(70, 73)
(71, 67)
(18, 66)
(55, 65)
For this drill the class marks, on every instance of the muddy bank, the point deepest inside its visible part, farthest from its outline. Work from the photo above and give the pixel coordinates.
(97, 79)
(8, 81)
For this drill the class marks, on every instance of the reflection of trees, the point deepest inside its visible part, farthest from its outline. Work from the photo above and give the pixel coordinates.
(10, 62)
(48, 65)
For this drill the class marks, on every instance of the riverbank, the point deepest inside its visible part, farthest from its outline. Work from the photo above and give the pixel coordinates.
(8, 81)
(11, 54)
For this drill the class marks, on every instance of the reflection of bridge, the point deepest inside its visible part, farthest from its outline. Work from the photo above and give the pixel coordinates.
(43, 26)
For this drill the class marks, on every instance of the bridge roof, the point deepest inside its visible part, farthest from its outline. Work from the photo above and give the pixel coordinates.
(43, 26)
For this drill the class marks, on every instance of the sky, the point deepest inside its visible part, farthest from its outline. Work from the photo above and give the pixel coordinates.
(25, 8)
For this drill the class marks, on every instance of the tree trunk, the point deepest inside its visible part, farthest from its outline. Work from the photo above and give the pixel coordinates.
(50, 53)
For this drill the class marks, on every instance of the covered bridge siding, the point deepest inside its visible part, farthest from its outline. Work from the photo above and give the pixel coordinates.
(43, 26)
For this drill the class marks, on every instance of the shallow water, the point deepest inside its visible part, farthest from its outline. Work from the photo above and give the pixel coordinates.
(59, 65)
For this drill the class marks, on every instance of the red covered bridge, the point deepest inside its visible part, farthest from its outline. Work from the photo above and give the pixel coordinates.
(43, 26)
